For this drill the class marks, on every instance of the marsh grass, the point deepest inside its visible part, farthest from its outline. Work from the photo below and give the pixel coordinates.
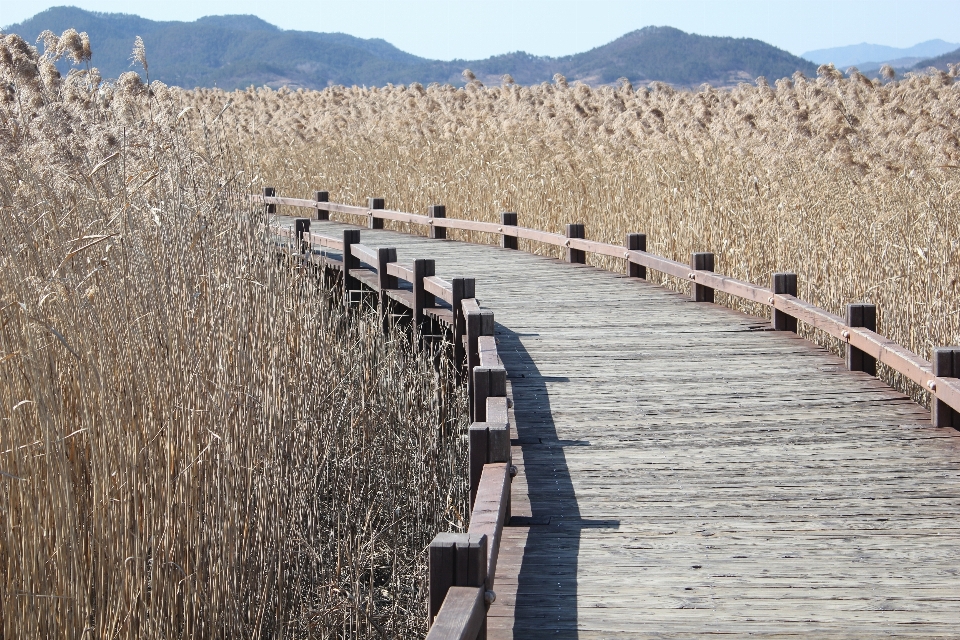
(195, 440)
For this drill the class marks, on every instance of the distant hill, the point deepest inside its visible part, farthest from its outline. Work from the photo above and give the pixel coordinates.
(238, 51)
(867, 56)
(940, 62)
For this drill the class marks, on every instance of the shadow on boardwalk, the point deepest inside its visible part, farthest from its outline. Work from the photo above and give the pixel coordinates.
(546, 601)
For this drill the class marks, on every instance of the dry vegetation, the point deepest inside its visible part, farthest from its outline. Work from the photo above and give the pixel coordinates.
(194, 442)
(852, 184)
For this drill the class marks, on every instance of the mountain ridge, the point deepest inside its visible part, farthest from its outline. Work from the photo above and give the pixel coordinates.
(236, 51)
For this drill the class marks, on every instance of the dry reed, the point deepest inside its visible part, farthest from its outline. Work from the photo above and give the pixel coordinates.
(194, 441)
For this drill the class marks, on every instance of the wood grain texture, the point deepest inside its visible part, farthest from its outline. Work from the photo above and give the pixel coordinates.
(757, 489)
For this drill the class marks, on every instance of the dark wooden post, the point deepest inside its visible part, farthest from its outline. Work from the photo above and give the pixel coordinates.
(270, 192)
(478, 324)
(861, 315)
(350, 237)
(488, 382)
(508, 219)
(373, 204)
(437, 211)
(946, 364)
(322, 196)
(636, 242)
(786, 284)
(463, 289)
(455, 560)
(577, 256)
(701, 262)
(421, 299)
(489, 443)
(302, 226)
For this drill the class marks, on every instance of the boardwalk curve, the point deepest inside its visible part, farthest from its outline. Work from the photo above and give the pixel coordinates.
(685, 471)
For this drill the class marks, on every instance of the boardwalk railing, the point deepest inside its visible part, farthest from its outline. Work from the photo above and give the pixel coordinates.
(462, 566)
(865, 347)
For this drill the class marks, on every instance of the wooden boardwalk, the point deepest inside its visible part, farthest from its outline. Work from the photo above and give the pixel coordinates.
(683, 471)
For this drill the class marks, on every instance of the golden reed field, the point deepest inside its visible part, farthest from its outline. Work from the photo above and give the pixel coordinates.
(197, 442)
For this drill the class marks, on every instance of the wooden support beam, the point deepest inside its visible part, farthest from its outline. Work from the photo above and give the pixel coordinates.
(322, 196)
(636, 242)
(861, 315)
(702, 261)
(783, 283)
(455, 560)
(270, 192)
(433, 212)
(421, 298)
(576, 256)
(350, 237)
(946, 364)
(374, 222)
(508, 219)
(462, 616)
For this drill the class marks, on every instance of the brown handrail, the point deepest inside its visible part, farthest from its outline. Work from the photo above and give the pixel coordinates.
(943, 388)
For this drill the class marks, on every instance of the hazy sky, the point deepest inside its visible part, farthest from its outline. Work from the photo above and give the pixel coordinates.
(472, 29)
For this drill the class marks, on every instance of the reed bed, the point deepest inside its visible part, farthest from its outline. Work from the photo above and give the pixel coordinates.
(854, 184)
(196, 440)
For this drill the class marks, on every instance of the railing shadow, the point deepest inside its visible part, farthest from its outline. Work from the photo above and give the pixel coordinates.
(546, 602)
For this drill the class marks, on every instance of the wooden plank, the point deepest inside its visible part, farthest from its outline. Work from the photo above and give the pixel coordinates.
(365, 253)
(441, 314)
(366, 277)
(489, 512)
(402, 296)
(487, 350)
(324, 241)
(402, 271)
(439, 287)
(462, 615)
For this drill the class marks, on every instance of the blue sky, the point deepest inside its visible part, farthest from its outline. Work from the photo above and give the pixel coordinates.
(472, 29)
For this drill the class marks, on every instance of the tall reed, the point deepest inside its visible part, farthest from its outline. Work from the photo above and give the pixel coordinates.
(195, 441)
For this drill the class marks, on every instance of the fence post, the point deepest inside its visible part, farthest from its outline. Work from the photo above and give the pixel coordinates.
(350, 237)
(576, 256)
(488, 382)
(270, 192)
(786, 284)
(455, 560)
(701, 262)
(489, 443)
(508, 219)
(373, 204)
(421, 299)
(463, 289)
(478, 324)
(437, 211)
(385, 255)
(946, 364)
(302, 226)
(322, 196)
(636, 242)
(861, 315)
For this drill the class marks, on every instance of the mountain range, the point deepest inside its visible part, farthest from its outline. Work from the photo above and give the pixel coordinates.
(238, 51)
(869, 57)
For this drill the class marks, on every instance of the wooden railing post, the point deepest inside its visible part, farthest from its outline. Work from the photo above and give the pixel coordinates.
(322, 196)
(270, 192)
(437, 211)
(350, 237)
(477, 324)
(786, 284)
(421, 299)
(489, 443)
(302, 226)
(702, 261)
(385, 255)
(455, 560)
(488, 382)
(373, 222)
(463, 289)
(577, 256)
(946, 364)
(861, 315)
(636, 242)
(508, 219)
